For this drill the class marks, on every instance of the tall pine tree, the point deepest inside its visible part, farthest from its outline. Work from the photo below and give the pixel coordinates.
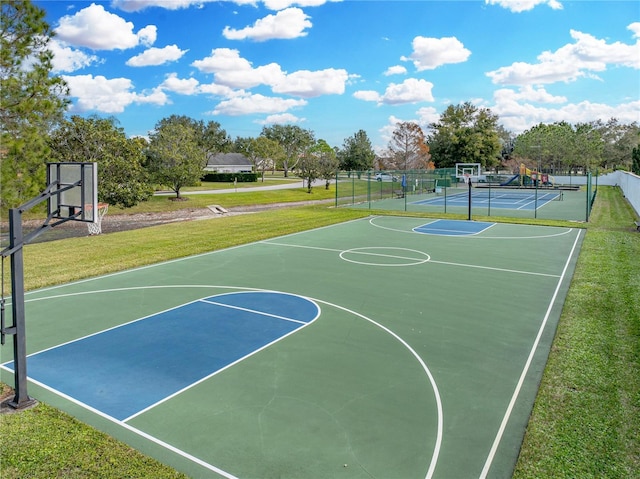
(31, 100)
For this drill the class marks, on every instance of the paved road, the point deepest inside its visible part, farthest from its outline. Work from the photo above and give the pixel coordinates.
(284, 186)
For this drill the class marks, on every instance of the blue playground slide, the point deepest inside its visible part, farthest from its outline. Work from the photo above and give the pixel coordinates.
(510, 180)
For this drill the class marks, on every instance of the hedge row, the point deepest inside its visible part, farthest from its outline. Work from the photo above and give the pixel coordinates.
(231, 177)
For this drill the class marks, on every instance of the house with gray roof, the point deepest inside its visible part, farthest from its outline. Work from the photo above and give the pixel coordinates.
(228, 163)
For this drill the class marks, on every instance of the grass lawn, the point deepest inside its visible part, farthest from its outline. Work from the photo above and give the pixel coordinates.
(585, 421)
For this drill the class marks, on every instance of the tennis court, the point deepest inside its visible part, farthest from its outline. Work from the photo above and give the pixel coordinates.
(386, 347)
(513, 200)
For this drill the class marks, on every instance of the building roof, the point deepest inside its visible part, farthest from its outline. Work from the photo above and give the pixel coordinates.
(227, 159)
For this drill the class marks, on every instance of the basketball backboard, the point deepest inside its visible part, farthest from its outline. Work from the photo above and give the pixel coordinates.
(74, 191)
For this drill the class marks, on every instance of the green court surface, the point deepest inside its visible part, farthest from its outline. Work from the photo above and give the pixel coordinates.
(423, 360)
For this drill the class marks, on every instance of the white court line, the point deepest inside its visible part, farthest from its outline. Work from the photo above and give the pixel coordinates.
(440, 416)
(525, 370)
(564, 232)
(261, 313)
(533, 273)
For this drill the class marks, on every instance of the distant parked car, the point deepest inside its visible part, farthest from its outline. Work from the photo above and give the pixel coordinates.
(385, 177)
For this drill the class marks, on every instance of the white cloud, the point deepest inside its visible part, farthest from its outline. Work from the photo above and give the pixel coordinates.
(281, 119)
(409, 91)
(231, 70)
(93, 27)
(309, 84)
(187, 86)
(282, 4)
(107, 95)
(156, 97)
(286, 24)
(100, 94)
(570, 62)
(529, 94)
(518, 113)
(426, 116)
(430, 53)
(255, 104)
(367, 95)
(156, 56)
(148, 35)
(220, 90)
(137, 5)
(395, 70)
(518, 6)
(67, 59)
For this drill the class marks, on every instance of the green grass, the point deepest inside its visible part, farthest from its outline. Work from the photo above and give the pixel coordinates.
(268, 181)
(585, 421)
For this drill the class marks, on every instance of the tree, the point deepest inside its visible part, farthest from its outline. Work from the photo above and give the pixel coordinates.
(618, 140)
(307, 169)
(261, 151)
(356, 153)
(408, 148)
(465, 134)
(327, 161)
(293, 139)
(211, 137)
(175, 157)
(214, 138)
(122, 179)
(32, 100)
(635, 158)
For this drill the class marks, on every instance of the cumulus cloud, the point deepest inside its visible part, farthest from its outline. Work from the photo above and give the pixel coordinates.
(282, 4)
(584, 57)
(518, 6)
(367, 95)
(281, 119)
(427, 115)
(256, 103)
(409, 91)
(395, 70)
(156, 56)
(286, 24)
(307, 84)
(138, 5)
(186, 86)
(529, 94)
(107, 95)
(430, 53)
(67, 59)
(233, 71)
(520, 110)
(93, 27)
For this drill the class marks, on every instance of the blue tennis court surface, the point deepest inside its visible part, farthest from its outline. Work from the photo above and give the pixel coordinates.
(521, 201)
(122, 371)
(453, 228)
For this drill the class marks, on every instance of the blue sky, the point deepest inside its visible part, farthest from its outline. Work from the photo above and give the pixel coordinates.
(336, 67)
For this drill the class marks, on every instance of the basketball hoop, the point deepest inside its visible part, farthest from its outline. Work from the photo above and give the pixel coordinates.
(95, 228)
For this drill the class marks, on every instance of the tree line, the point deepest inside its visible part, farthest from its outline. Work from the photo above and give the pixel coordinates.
(35, 130)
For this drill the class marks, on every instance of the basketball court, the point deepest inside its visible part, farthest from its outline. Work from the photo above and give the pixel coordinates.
(384, 347)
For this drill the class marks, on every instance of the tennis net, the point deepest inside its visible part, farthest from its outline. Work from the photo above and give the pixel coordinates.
(501, 194)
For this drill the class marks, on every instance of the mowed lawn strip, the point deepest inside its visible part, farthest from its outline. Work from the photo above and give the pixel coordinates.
(586, 419)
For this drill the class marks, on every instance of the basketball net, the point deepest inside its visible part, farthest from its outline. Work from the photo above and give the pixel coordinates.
(95, 228)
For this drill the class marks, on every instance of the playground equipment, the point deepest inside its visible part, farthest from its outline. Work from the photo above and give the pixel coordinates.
(529, 177)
